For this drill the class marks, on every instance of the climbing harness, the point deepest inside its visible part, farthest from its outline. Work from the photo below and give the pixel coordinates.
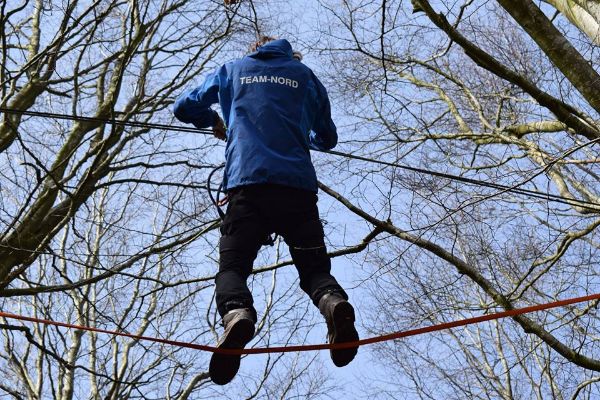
(215, 200)
(269, 240)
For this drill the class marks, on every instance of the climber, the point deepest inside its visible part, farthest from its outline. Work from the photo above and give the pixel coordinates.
(275, 111)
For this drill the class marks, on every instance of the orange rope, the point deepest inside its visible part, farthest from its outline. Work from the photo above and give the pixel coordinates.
(285, 349)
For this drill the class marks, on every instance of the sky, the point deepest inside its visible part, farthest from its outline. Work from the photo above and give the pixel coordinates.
(303, 23)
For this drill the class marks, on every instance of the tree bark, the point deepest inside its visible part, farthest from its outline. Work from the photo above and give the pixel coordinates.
(560, 51)
(584, 14)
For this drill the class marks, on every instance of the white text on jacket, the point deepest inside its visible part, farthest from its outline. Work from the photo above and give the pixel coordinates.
(244, 80)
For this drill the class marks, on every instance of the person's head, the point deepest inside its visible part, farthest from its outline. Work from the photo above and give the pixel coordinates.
(261, 42)
(266, 39)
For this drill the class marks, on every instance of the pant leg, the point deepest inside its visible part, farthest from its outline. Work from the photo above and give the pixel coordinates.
(302, 230)
(243, 232)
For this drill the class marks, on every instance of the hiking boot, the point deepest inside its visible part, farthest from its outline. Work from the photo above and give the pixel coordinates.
(239, 330)
(339, 316)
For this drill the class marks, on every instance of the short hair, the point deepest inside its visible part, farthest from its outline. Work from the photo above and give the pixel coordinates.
(261, 42)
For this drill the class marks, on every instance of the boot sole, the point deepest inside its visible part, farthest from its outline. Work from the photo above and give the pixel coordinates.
(224, 367)
(344, 331)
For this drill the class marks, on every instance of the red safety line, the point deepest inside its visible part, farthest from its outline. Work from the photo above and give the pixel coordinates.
(285, 349)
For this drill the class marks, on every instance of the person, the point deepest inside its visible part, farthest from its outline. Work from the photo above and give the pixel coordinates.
(275, 111)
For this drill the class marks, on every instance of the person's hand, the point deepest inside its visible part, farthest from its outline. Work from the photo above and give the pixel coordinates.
(219, 129)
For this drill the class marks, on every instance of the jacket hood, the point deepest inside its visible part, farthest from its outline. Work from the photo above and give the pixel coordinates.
(275, 48)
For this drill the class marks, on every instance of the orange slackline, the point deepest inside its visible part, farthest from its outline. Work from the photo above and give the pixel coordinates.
(285, 349)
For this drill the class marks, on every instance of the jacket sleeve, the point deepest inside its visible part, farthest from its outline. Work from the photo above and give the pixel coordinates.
(324, 133)
(193, 105)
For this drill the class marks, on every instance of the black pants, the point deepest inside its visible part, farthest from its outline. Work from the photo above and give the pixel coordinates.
(253, 213)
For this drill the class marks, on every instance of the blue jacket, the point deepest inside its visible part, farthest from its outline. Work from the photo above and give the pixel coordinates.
(275, 110)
